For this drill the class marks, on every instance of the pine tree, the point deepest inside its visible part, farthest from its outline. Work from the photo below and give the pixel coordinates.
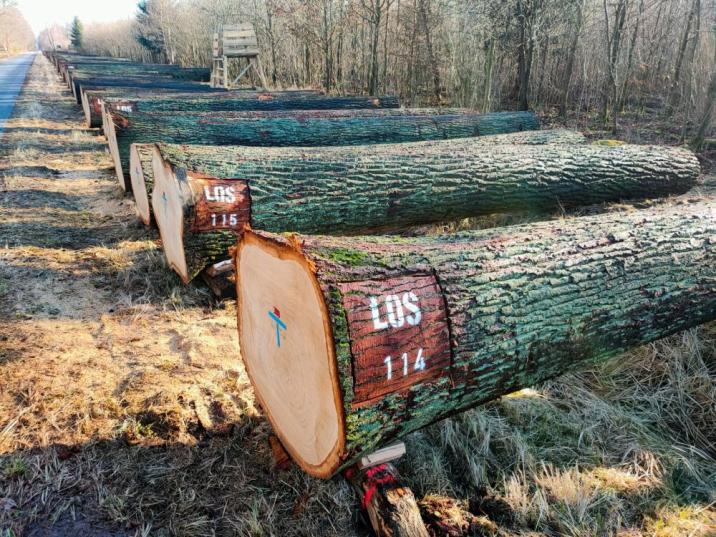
(76, 33)
(147, 34)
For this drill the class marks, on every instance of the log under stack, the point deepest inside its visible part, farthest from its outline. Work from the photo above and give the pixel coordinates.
(123, 124)
(204, 196)
(351, 343)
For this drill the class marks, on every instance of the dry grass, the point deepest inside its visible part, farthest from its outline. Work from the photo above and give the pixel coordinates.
(125, 409)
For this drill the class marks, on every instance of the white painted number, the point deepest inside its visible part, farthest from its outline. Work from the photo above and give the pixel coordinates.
(224, 220)
(395, 311)
(389, 364)
(419, 364)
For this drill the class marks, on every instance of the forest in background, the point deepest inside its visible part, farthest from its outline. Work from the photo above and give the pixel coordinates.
(598, 57)
(15, 32)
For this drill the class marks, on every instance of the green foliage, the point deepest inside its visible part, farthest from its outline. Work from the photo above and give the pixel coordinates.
(346, 256)
(147, 34)
(76, 33)
(14, 467)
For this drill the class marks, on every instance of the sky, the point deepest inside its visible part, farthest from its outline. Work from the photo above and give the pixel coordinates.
(43, 13)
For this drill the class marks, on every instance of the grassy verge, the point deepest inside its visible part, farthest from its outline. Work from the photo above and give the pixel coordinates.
(125, 410)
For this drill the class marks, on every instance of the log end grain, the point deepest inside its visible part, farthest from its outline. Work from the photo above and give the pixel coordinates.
(168, 207)
(142, 179)
(283, 319)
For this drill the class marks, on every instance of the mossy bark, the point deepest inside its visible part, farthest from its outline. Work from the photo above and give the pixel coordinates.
(524, 304)
(314, 128)
(231, 102)
(343, 191)
(368, 188)
(93, 98)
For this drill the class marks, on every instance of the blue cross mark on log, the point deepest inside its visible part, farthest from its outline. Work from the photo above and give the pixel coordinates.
(275, 316)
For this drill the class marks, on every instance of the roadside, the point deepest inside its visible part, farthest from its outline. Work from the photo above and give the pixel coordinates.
(12, 77)
(125, 409)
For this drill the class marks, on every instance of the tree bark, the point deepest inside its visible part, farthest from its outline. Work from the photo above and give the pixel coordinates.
(265, 102)
(91, 95)
(569, 71)
(396, 333)
(707, 115)
(676, 81)
(305, 128)
(329, 128)
(78, 76)
(388, 187)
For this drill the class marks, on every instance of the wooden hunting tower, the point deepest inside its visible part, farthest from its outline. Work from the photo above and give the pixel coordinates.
(235, 42)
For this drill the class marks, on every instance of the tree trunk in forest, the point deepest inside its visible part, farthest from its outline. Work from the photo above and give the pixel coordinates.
(622, 94)
(676, 81)
(569, 71)
(614, 43)
(527, 12)
(203, 196)
(423, 11)
(489, 70)
(304, 128)
(707, 115)
(397, 333)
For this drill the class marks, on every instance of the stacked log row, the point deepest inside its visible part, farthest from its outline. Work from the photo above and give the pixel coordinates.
(265, 102)
(351, 343)
(93, 98)
(142, 174)
(228, 102)
(204, 196)
(302, 128)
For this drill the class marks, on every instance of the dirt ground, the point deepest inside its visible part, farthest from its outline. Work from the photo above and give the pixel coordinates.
(125, 409)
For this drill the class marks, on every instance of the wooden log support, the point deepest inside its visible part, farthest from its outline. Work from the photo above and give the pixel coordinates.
(391, 506)
(308, 128)
(220, 279)
(203, 196)
(351, 343)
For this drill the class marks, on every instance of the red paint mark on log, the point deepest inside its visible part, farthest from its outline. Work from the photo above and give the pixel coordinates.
(220, 204)
(399, 334)
(96, 104)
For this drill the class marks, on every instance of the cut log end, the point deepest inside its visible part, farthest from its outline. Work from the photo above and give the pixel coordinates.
(168, 206)
(87, 111)
(111, 135)
(283, 319)
(139, 185)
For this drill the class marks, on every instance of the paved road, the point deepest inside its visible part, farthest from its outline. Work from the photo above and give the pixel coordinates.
(12, 76)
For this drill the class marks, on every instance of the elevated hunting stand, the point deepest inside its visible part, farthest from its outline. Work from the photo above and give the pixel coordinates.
(235, 43)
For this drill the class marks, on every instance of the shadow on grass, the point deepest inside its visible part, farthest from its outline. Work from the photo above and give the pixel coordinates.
(38, 199)
(205, 483)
